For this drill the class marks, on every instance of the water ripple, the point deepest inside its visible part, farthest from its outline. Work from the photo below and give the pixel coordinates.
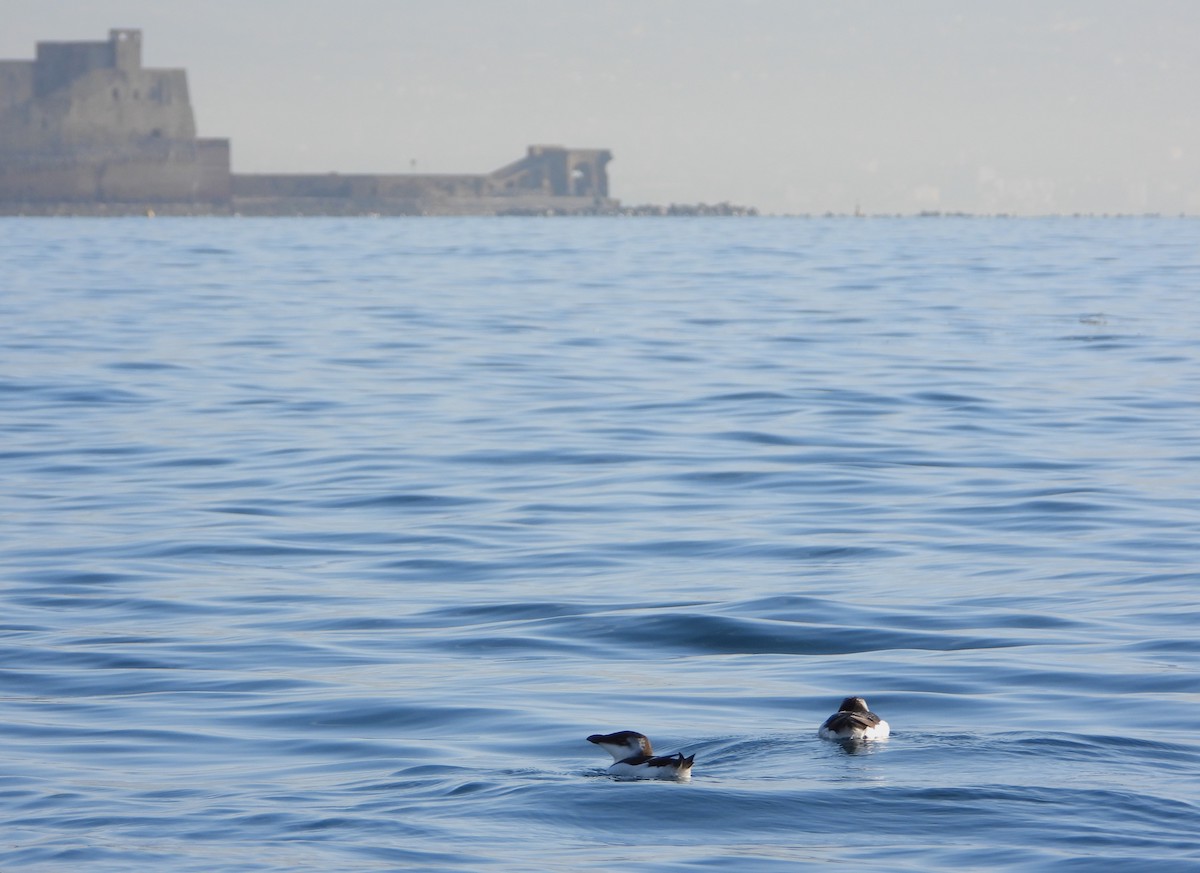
(328, 543)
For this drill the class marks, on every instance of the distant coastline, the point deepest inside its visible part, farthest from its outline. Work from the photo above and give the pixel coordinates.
(86, 130)
(166, 210)
(699, 210)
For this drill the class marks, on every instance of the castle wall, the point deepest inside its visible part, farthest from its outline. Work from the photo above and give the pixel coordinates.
(150, 178)
(58, 64)
(16, 84)
(153, 172)
(357, 185)
(348, 194)
(525, 187)
(214, 182)
(549, 179)
(103, 107)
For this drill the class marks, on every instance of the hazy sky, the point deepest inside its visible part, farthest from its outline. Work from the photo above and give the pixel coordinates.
(1025, 106)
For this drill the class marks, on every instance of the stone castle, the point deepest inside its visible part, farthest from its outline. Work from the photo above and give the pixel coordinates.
(86, 129)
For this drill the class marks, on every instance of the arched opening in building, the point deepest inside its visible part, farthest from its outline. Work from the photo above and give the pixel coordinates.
(583, 180)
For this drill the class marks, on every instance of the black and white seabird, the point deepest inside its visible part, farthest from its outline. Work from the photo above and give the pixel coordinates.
(634, 757)
(854, 721)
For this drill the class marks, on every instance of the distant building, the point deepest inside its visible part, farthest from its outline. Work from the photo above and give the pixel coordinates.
(549, 179)
(85, 128)
(86, 123)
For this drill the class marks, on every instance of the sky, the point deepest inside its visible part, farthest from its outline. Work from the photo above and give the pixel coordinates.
(791, 106)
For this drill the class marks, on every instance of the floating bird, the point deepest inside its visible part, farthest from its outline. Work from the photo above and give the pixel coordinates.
(854, 721)
(634, 757)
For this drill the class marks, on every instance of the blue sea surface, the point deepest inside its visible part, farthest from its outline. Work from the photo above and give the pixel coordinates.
(325, 543)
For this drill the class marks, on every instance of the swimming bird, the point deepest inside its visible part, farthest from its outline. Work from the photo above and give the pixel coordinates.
(854, 721)
(634, 757)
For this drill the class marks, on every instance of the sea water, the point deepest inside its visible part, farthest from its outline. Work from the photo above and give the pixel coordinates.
(326, 543)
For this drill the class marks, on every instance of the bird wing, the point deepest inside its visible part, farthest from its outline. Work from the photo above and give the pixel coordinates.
(676, 760)
(841, 721)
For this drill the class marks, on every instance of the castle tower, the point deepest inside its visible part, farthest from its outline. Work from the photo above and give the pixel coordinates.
(85, 122)
(126, 49)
